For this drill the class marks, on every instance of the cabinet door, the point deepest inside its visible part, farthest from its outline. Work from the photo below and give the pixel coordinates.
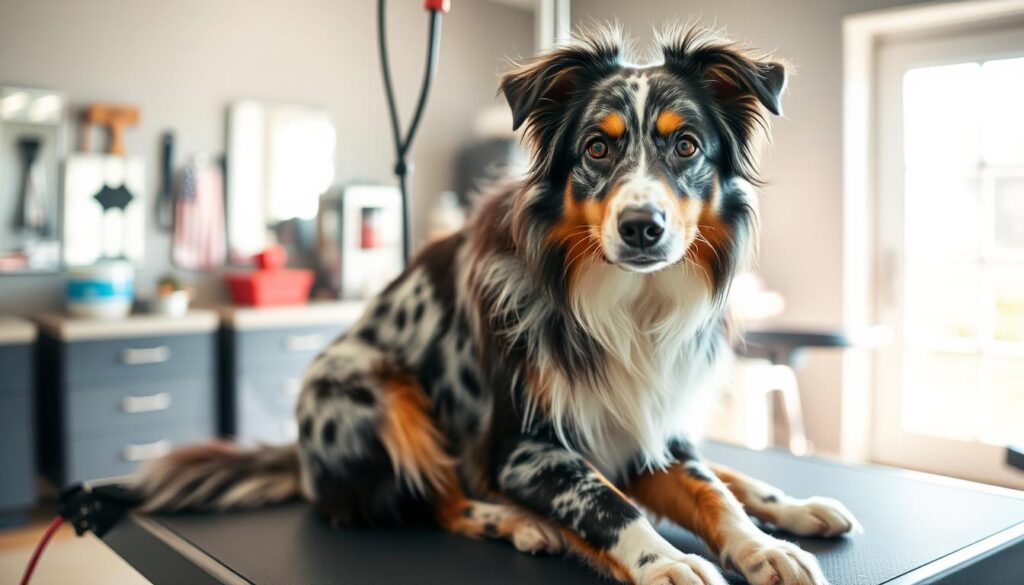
(16, 366)
(266, 407)
(121, 454)
(103, 408)
(291, 347)
(16, 453)
(138, 356)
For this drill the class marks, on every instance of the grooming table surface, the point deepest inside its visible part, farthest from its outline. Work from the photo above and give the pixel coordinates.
(918, 529)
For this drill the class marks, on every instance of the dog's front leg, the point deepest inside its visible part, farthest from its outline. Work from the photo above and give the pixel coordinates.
(597, 521)
(689, 493)
(815, 516)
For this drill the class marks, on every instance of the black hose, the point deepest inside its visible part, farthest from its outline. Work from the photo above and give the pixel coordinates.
(402, 167)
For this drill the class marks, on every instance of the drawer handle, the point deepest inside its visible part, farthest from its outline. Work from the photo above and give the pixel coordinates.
(146, 451)
(292, 387)
(151, 403)
(311, 342)
(137, 356)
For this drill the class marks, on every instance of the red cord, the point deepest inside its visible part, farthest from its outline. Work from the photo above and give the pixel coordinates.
(45, 540)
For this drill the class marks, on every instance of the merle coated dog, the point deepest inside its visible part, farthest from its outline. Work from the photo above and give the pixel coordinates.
(539, 376)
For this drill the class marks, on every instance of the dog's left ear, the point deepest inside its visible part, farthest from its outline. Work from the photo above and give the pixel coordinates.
(741, 85)
(547, 82)
(543, 91)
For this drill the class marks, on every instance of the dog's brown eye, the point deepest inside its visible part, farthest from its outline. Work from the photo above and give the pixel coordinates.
(597, 149)
(686, 147)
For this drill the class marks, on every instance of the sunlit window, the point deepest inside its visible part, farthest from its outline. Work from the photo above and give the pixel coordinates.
(964, 217)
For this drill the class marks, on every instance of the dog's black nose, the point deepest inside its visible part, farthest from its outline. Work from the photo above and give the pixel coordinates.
(641, 227)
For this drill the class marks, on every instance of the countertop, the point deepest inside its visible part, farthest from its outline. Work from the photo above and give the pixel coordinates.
(315, 313)
(15, 330)
(70, 328)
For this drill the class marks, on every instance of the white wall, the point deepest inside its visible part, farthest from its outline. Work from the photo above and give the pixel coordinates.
(183, 61)
(801, 207)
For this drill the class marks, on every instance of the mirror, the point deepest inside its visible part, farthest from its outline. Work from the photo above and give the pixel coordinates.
(280, 160)
(31, 148)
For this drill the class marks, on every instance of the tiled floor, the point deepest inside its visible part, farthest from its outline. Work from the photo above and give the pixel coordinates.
(67, 560)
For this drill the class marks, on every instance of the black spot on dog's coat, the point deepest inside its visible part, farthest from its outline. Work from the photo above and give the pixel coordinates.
(646, 559)
(368, 335)
(699, 472)
(469, 382)
(521, 458)
(361, 395)
(443, 403)
(306, 428)
(329, 433)
(417, 314)
(400, 319)
(472, 425)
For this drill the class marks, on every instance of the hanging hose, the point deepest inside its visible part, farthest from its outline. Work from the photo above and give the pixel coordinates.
(51, 530)
(402, 167)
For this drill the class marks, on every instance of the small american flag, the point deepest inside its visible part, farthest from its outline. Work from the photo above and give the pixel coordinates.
(199, 231)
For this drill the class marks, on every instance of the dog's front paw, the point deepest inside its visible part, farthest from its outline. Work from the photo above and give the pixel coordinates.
(814, 517)
(530, 536)
(681, 570)
(764, 560)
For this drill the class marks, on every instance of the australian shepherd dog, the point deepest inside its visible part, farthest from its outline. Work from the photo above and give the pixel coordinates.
(540, 375)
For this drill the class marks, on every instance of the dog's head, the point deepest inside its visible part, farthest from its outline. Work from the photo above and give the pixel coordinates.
(647, 166)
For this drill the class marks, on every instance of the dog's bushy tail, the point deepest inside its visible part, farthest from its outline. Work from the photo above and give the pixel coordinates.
(219, 476)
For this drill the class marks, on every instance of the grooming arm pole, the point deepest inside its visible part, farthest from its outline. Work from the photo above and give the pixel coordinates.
(402, 166)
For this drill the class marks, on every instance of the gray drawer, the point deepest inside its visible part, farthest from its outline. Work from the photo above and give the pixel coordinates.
(295, 346)
(266, 409)
(138, 356)
(16, 454)
(121, 454)
(100, 408)
(16, 367)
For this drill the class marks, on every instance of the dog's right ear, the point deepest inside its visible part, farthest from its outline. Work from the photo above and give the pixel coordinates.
(545, 84)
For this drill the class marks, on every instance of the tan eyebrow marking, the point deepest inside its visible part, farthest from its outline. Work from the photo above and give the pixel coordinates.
(613, 125)
(669, 121)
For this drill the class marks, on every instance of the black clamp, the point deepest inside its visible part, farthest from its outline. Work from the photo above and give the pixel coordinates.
(95, 507)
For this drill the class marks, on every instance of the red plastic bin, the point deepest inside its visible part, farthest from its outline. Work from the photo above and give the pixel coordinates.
(264, 288)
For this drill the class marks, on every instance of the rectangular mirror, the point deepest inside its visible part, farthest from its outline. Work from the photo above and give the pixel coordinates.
(32, 126)
(280, 160)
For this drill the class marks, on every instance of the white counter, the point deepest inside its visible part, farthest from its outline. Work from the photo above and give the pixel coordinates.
(138, 325)
(15, 330)
(315, 313)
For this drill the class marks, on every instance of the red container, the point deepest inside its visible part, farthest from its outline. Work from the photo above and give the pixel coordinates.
(264, 288)
(273, 258)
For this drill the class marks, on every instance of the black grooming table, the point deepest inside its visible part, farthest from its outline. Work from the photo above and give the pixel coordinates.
(918, 529)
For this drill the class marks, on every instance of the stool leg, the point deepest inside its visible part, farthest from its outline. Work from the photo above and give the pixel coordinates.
(788, 389)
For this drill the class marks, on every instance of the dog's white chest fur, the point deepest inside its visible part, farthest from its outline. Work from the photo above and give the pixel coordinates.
(657, 380)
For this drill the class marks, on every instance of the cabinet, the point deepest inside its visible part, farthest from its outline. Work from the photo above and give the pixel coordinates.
(265, 352)
(115, 394)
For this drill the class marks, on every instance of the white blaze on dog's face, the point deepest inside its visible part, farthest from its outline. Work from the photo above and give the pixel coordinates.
(645, 167)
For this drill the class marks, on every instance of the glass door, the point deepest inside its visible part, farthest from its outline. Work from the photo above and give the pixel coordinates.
(949, 395)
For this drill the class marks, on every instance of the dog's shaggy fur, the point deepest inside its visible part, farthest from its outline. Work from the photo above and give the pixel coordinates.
(537, 376)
